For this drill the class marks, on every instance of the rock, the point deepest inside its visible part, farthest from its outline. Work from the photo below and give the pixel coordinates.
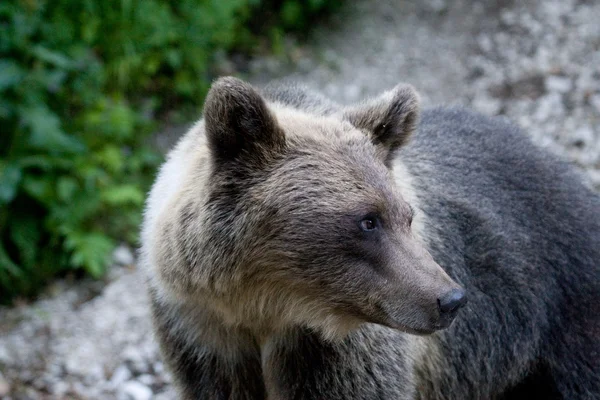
(59, 389)
(135, 390)
(169, 394)
(135, 360)
(487, 105)
(559, 84)
(158, 367)
(485, 43)
(146, 379)
(4, 387)
(81, 362)
(549, 106)
(437, 6)
(595, 179)
(123, 256)
(581, 137)
(595, 102)
(121, 375)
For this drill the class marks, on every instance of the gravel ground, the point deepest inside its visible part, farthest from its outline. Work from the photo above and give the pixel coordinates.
(535, 62)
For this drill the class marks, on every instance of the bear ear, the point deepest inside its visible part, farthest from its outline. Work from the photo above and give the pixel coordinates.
(239, 124)
(390, 118)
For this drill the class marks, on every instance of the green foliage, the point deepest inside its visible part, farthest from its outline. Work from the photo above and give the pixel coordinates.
(81, 83)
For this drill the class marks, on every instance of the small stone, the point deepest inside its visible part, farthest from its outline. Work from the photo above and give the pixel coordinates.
(4, 356)
(595, 102)
(121, 375)
(135, 390)
(158, 367)
(549, 106)
(135, 360)
(4, 387)
(146, 379)
(123, 256)
(594, 176)
(487, 105)
(168, 394)
(305, 64)
(581, 137)
(485, 43)
(59, 389)
(80, 390)
(561, 84)
(438, 6)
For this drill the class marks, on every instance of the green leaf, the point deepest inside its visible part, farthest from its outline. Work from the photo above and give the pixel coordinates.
(6, 108)
(10, 74)
(72, 215)
(184, 83)
(89, 31)
(173, 58)
(315, 5)
(112, 158)
(46, 133)
(291, 13)
(54, 80)
(40, 188)
(122, 120)
(66, 188)
(52, 57)
(112, 119)
(10, 178)
(25, 234)
(8, 265)
(90, 251)
(122, 195)
(45, 162)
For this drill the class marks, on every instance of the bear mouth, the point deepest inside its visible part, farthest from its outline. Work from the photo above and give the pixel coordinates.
(384, 318)
(441, 323)
(412, 330)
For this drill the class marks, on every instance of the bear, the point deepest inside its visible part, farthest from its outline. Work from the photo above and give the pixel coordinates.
(296, 248)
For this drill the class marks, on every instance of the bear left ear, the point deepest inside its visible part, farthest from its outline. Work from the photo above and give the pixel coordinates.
(390, 118)
(239, 124)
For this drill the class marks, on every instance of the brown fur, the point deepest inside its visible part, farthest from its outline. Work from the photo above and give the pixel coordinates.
(250, 228)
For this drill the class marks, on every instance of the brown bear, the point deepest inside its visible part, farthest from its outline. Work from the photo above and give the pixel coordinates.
(299, 249)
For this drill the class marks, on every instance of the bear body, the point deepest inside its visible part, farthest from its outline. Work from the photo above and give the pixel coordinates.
(298, 249)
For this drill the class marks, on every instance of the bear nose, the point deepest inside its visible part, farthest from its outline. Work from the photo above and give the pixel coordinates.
(452, 301)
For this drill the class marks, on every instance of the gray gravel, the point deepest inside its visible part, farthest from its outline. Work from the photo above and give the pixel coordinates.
(535, 62)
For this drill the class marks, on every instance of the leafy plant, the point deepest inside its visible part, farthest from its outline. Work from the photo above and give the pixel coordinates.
(82, 83)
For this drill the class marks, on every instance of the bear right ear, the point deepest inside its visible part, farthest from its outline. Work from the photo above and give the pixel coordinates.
(390, 119)
(239, 124)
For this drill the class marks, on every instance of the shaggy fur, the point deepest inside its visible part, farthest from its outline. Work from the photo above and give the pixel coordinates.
(265, 284)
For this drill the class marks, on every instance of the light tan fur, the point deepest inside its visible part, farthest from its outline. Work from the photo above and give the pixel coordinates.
(222, 277)
(180, 182)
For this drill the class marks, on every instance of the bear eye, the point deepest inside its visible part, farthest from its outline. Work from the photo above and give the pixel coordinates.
(368, 223)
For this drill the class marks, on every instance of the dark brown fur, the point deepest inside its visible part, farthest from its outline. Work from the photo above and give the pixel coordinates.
(266, 284)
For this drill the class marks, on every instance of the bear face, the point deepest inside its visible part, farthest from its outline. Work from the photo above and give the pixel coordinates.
(291, 219)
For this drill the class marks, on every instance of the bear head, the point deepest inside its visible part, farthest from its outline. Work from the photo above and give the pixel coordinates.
(296, 219)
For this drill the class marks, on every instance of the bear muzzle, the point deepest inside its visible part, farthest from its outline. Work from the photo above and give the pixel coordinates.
(419, 303)
(427, 319)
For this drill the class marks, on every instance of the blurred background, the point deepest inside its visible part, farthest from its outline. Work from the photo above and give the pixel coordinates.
(93, 93)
